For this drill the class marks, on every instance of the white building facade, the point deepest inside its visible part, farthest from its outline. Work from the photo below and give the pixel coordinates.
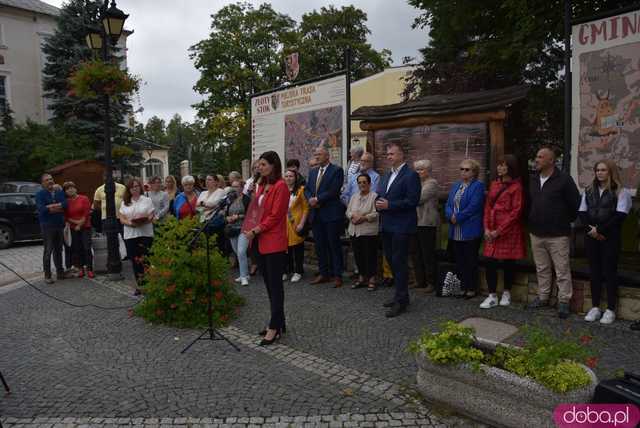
(24, 26)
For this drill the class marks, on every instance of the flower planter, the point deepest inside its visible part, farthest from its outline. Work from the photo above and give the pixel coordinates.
(494, 396)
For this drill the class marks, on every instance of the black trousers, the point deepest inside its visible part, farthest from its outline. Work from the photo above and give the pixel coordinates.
(396, 251)
(272, 267)
(603, 264)
(467, 263)
(295, 259)
(491, 270)
(365, 251)
(53, 243)
(81, 247)
(137, 250)
(424, 260)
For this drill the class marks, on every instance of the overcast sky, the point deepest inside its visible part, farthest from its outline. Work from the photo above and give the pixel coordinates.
(165, 29)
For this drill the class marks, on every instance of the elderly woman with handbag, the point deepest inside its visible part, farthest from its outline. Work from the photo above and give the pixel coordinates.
(464, 211)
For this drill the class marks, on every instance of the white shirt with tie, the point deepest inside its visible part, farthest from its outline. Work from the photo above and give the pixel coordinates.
(320, 176)
(394, 174)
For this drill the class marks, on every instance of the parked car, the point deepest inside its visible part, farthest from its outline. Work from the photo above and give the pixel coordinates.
(18, 218)
(19, 187)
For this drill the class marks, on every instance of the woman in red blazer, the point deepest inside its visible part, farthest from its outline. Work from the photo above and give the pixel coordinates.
(503, 229)
(271, 234)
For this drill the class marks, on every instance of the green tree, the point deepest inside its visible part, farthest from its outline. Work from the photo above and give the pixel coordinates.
(487, 44)
(33, 148)
(64, 50)
(325, 36)
(243, 54)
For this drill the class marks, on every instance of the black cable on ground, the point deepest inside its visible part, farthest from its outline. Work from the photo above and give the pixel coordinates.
(74, 305)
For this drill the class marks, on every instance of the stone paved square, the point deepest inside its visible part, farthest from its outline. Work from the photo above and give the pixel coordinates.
(341, 363)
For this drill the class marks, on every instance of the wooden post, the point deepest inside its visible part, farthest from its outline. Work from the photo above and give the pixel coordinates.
(496, 134)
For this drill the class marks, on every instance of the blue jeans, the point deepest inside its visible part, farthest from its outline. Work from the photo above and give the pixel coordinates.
(240, 244)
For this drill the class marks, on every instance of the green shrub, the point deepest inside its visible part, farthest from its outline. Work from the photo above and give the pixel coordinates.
(550, 361)
(453, 345)
(175, 280)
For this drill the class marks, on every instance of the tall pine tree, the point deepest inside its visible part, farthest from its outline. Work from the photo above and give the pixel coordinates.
(64, 51)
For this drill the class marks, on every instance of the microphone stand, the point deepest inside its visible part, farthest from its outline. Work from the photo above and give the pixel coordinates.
(211, 333)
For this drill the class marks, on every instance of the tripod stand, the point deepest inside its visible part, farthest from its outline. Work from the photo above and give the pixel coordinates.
(210, 333)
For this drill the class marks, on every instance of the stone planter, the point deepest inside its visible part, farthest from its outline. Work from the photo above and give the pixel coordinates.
(495, 396)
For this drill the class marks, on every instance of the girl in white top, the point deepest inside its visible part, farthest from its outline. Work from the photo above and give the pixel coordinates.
(137, 214)
(209, 200)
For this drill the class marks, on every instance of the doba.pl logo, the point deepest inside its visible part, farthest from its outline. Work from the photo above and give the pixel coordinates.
(578, 415)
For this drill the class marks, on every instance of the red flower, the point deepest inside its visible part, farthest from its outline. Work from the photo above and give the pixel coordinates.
(170, 289)
(592, 362)
(173, 306)
(218, 296)
(159, 313)
(166, 273)
(224, 318)
(130, 313)
(188, 301)
(585, 339)
(216, 283)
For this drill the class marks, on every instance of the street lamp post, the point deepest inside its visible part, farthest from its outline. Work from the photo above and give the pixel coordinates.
(112, 20)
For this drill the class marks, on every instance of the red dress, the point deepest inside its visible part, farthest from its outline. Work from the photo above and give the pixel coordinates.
(503, 211)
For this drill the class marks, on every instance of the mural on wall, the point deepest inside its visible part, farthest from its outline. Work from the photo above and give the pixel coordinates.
(610, 112)
(606, 96)
(445, 145)
(304, 132)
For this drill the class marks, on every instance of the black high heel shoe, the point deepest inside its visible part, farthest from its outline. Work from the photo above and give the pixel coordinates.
(263, 332)
(267, 342)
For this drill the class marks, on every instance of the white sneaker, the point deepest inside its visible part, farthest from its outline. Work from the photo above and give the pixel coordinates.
(238, 279)
(489, 302)
(244, 281)
(608, 317)
(284, 277)
(505, 300)
(594, 314)
(296, 277)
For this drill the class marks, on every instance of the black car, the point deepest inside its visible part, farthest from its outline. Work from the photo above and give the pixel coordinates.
(19, 187)
(18, 218)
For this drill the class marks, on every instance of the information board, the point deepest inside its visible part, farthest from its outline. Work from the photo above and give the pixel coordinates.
(295, 120)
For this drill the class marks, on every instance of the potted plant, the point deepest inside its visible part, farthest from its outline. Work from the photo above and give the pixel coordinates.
(503, 385)
(91, 79)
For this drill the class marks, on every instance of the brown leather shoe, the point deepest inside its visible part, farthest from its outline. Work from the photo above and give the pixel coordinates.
(320, 280)
(338, 282)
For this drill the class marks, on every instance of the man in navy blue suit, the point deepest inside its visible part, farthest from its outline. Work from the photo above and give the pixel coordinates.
(327, 213)
(399, 194)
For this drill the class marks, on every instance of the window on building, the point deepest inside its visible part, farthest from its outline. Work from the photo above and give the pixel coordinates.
(3, 94)
(153, 167)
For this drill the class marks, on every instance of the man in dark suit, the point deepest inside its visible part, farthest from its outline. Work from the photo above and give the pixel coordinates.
(399, 194)
(327, 213)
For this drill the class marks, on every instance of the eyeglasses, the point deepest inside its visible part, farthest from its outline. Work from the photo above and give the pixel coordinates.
(465, 169)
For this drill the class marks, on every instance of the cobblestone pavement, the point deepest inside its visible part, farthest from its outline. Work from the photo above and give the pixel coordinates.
(84, 367)
(25, 258)
(341, 363)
